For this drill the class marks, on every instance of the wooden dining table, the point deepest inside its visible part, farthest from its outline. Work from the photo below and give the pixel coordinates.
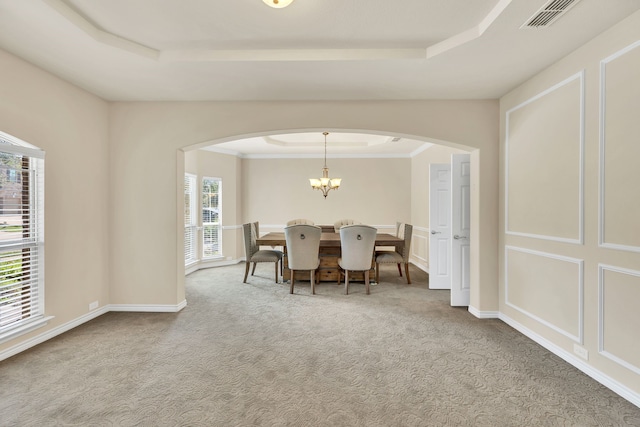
(329, 253)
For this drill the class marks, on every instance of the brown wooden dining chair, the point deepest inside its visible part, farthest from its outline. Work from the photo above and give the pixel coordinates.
(404, 231)
(357, 243)
(303, 251)
(254, 254)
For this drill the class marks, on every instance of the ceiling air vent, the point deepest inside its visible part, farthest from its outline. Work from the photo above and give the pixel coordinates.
(549, 13)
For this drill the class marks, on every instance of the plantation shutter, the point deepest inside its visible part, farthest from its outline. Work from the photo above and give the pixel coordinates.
(21, 235)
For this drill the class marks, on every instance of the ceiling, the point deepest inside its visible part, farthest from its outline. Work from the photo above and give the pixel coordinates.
(197, 50)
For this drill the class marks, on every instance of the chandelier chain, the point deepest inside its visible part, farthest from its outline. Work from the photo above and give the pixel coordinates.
(325, 148)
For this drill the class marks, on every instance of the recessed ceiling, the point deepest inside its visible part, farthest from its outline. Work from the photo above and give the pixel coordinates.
(311, 144)
(181, 50)
(150, 50)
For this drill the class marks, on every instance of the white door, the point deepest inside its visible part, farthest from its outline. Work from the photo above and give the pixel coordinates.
(440, 225)
(460, 228)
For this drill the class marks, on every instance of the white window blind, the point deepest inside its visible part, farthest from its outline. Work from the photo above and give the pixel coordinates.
(211, 217)
(21, 234)
(190, 219)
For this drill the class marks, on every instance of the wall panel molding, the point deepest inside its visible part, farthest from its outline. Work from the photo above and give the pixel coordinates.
(425, 241)
(579, 338)
(601, 315)
(603, 114)
(580, 214)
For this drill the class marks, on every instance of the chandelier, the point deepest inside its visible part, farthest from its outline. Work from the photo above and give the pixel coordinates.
(278, 4)
(325, 184)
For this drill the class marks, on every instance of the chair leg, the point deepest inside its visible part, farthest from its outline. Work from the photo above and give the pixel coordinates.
(254, 268)
(276, 271)
(399, 270)
(366, 282)
(246, 271)
(406, 272)
(346, 282)
(312, 275)
(377, 272)
(292, 279)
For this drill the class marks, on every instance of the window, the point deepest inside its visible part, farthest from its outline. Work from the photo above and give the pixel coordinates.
(190, 219)
(211, 217)
(21, 237)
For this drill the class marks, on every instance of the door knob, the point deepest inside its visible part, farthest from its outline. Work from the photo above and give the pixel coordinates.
(435, 232)
(459, 237)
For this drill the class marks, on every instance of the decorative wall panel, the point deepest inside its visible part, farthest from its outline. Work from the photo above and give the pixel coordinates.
(620, 150)
(544, 164)
(547, 288)
(619, 317)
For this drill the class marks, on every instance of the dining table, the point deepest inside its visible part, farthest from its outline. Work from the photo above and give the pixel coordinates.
(329, 253)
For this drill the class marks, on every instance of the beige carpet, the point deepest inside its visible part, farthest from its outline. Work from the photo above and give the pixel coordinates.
(251, 354)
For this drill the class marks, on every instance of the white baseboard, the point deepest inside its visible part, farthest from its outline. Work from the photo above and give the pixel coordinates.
(45, 336)
(51, 333)
(484, 314)
(149, 308)
(568, 357)
(191, 268)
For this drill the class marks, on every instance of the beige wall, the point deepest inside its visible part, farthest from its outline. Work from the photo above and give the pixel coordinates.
(151, 134)
(72, 127)
(373, 191)
(558, 284)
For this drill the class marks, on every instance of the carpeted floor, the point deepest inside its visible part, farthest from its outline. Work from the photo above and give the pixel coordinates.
(254, 355)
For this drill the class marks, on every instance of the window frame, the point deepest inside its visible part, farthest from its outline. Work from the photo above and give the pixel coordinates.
(208, 224)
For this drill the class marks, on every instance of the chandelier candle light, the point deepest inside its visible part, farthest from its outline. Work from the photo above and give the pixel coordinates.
(325, 184)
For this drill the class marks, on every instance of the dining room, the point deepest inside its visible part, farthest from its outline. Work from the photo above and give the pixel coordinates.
(377, 189)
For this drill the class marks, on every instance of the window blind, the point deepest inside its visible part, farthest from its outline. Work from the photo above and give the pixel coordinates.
(190, 219)
(21, 234)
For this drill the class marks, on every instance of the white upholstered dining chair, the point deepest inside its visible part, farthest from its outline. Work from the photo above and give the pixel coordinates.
(357, 243)
(254, 254)
(403, 231)
(303, 249)
(341, 222)
(300, 221)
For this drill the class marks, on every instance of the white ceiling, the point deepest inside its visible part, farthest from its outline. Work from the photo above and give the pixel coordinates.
(157, 50)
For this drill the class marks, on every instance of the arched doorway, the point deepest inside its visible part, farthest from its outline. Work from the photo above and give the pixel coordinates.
(406, 199)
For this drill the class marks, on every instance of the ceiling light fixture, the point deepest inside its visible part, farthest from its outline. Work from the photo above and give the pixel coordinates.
(325, 184)
(278, 4)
